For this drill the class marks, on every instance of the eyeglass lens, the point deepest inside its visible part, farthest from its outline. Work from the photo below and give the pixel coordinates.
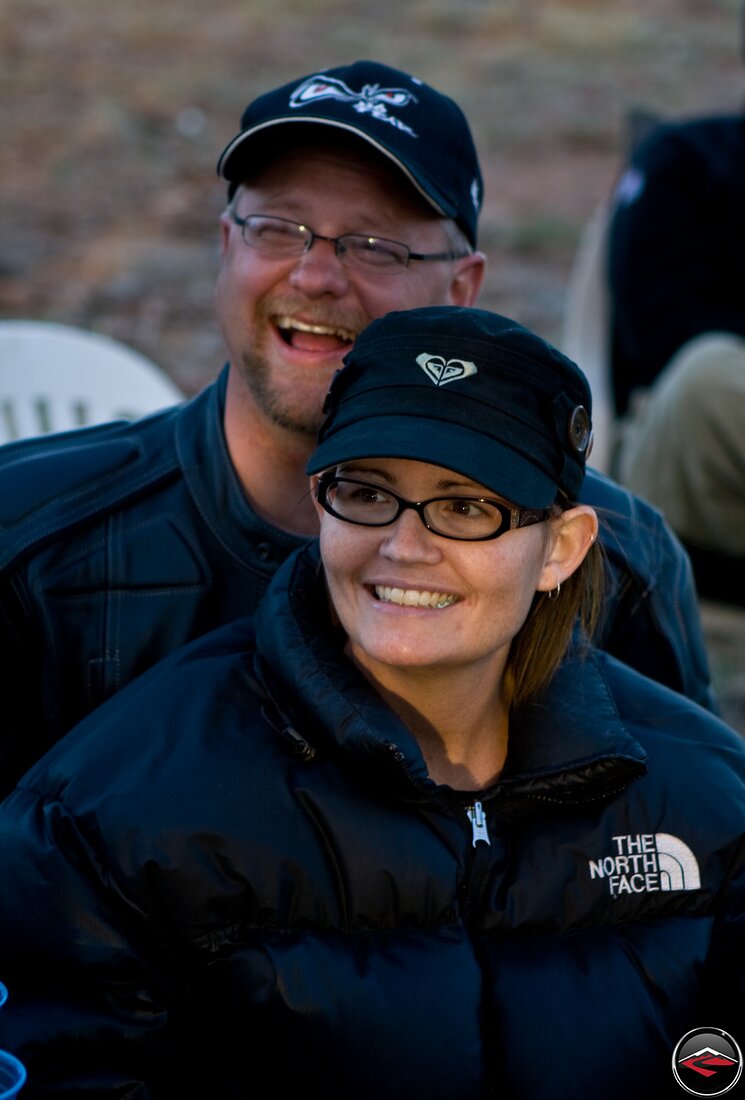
(280, 237)
(454, 517)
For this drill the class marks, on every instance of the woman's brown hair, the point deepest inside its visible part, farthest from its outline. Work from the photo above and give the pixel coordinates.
(552, 625)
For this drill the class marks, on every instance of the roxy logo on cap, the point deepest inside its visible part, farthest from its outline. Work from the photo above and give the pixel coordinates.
(441, 371)
(372, 100)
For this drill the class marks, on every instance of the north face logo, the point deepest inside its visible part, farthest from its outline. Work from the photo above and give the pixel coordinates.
(646, 863)
(441, 371)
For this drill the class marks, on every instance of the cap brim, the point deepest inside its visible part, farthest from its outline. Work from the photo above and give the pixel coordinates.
(227, 165)
(497, 466)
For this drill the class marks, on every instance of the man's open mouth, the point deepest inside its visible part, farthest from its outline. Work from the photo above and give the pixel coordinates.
(306, 336)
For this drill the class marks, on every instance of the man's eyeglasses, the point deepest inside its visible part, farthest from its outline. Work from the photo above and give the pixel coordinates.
(471, 519)
(282, 237)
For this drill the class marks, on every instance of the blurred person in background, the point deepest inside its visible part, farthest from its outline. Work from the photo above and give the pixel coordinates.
(677, 278)
(350, 193)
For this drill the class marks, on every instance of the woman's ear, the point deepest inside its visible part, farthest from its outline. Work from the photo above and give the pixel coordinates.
(574, 532)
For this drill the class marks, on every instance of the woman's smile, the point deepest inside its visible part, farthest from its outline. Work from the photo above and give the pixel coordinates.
(413, 597)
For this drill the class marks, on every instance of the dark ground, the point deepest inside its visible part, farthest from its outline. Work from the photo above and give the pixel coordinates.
(112, 117)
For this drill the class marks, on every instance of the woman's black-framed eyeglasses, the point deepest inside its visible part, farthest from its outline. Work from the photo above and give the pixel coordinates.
(467, 519)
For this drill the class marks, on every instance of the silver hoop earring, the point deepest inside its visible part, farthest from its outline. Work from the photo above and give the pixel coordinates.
(554, 593)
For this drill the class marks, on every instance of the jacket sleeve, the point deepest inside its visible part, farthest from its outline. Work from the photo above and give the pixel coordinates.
(89, 1008)
(67, 571)
(651, 617)
(724, 978)
(23, 732)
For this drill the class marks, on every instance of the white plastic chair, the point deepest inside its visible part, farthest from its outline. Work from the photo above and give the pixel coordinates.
(56, 377)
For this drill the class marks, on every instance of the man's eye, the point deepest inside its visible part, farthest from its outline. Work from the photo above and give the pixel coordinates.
(379, 247)
(274, 232)
(373, 251)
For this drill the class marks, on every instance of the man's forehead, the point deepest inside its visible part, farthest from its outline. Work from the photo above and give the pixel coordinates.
(288, 163)
(290, 143)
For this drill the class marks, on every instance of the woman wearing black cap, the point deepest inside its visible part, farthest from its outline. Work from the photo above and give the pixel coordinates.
(454, 623)
(405, 835)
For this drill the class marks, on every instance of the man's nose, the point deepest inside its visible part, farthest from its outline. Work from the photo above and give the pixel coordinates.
(319, 270)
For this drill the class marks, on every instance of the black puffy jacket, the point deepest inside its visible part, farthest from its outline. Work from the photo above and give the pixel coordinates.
(237, 880)
(121, 542)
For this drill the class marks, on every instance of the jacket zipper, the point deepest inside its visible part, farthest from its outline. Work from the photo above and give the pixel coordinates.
(474, 811)
(477, 817)
(476, 865)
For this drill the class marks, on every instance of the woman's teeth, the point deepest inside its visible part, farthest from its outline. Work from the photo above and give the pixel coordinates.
(413, 597)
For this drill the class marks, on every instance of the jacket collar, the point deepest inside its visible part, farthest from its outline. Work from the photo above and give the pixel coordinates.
(571, 746)
(215, 488)
(568, 748)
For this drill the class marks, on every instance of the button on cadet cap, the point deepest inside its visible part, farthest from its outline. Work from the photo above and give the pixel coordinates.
(466, 389)
(421, 130)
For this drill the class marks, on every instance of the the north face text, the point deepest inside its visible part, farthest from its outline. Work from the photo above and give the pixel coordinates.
(646, 862)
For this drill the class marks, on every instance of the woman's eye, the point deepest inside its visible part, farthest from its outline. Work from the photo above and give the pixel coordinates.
(466, 508)
(350, 492)
(368, 496)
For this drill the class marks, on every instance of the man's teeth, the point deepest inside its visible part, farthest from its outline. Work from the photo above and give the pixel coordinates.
(413, 597)
(290, 323)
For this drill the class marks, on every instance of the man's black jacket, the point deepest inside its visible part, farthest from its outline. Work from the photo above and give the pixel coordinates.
(121, 542)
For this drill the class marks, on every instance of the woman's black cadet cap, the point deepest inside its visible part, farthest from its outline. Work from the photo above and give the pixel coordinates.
(466, 389)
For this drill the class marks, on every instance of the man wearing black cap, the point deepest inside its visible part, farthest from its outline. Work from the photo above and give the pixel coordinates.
(352, 192)
(349, 195)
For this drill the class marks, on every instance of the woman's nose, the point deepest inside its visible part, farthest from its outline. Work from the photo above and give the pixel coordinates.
(409, 540)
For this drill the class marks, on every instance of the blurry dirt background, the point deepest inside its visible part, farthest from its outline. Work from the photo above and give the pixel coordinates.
(112, 117)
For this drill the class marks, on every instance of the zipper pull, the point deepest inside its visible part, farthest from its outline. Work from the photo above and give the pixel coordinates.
(477, 817)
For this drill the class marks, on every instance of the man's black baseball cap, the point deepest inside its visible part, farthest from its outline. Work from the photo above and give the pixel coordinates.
(421, 130)
(466, 389)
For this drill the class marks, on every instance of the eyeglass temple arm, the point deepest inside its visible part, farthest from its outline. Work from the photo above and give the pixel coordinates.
(438, 255)
(525, 517)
